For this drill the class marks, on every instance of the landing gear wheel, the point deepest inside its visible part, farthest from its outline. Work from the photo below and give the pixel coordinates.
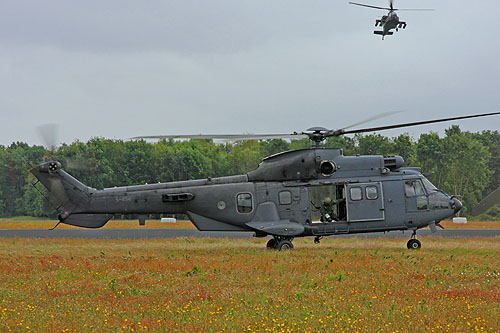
(271, 244)
(413, 244)
(284, 245)
(317, 239)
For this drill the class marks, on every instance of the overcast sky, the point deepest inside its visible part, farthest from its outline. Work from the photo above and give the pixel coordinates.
(118, 69)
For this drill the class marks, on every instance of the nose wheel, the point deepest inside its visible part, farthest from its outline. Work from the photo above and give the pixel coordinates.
(414, 243)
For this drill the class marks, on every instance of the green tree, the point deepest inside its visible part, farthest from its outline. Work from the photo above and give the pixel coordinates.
(245, 156)
(347, 144)
(405, 147)
(34, 200)
(374, 144)
(430, 157)
(275, 146)
(466, 166)
(17, 160)
(491, 140)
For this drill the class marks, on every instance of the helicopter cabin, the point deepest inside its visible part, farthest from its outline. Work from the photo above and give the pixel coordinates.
(369, 193)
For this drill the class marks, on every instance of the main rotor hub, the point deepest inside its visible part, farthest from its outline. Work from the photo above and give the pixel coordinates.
(317, 134)
(320, 134)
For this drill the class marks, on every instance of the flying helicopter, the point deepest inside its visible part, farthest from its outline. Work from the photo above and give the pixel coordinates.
(389, 21)
(280, 198)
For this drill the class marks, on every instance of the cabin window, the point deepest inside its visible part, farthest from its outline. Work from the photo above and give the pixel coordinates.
(356, 193)
(244, 202)
(414, 188)
(285, 197)
(371, 192)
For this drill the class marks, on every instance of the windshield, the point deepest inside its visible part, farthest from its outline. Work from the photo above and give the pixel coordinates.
(429, 186)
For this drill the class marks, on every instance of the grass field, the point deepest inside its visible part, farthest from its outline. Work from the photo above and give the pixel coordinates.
(209, 285)
(36, 223)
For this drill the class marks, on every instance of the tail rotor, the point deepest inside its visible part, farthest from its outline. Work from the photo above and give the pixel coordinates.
(49, 135)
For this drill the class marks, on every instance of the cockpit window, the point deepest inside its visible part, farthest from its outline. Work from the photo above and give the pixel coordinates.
(414, 188)
(439, 200)
(409, 189)
(429, 186)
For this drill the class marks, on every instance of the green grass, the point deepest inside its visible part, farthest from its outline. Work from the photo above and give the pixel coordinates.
(217, 285)
(23, 219)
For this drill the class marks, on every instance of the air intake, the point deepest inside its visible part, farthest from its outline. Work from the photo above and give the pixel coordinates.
(393, 162)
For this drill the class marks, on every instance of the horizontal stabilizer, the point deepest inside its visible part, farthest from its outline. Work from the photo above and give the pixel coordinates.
(278, 228)
(388, 33)
(87, 220)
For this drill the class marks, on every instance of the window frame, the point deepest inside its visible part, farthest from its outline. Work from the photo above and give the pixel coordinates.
(360, 192)
(414, 188)
(289, 202)
(238, 205)
(366, 192)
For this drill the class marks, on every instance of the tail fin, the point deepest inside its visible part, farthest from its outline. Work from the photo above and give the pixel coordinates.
(68, 196)
(67, 193)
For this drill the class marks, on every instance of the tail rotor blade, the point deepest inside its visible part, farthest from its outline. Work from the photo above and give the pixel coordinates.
(49, 134)
(77, 164)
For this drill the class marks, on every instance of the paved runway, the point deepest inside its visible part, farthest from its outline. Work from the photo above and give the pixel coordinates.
(172, 233)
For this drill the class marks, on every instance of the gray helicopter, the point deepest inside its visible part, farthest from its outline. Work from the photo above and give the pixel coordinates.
(283, 198)
(389, 21)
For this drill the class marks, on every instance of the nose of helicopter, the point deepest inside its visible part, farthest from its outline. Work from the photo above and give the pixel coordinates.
(456, 204)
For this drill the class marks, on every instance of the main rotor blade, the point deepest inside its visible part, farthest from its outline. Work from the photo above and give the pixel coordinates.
(369, 6)
(228, 137)
(416, 9)
(377, 116)
(381, 128)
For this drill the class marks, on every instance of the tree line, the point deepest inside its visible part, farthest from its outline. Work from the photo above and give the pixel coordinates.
(462, 163)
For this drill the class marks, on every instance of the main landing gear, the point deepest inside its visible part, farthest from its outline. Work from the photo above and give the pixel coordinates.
(280, 243)
(414, 243)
